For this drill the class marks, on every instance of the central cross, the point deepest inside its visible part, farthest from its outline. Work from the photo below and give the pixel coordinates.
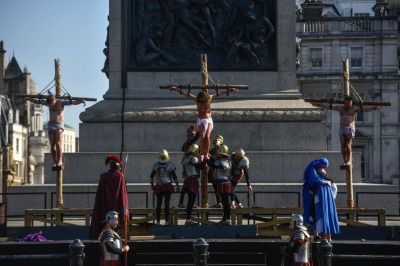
(204, 120)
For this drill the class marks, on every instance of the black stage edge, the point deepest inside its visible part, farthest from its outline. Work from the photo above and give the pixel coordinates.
(226, 252)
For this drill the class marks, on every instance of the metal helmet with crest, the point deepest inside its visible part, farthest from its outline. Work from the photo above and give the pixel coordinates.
(223, 149)
(163, 156)
(194, 148)
(113, 217)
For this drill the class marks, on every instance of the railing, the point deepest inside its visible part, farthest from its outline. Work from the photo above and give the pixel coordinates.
(347, 24)
(76, 255)
(268, 220)
(325, 255)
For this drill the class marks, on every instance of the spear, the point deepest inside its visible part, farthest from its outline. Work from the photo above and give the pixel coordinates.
(126, 217)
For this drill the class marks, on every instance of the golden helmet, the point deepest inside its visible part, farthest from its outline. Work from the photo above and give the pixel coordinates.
(163, 156)
(217, 143)
(239, 154)
(220, 138)
(194, 148)
(223, 150)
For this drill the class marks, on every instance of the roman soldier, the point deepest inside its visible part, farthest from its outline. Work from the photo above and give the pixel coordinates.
(164, 171)
(191, 170)
(299, 248)
(111, 242)
(111, 195)
(240, 167)
(191, 137)
(217, 142)
(223, 165)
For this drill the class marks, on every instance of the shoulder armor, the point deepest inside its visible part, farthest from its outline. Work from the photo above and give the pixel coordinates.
(298, 234)
(194, 160)
(244, 163)
(106, 236)
(171, 167)
(156, 166)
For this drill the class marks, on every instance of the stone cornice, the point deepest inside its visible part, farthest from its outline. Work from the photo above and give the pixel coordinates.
(221, 116)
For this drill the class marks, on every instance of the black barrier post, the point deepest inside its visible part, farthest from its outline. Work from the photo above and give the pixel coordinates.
(324, 253)
(76, 251)
(200, 255)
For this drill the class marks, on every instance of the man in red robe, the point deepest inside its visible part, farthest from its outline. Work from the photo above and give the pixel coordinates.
(111, 195)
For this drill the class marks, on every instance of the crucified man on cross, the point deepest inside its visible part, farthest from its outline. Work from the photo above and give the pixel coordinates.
(204, 120)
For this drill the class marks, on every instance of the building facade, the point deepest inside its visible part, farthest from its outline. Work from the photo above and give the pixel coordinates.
(26, 135)
(369, 39)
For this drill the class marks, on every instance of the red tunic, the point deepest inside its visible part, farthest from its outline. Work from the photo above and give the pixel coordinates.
(111, 195)
(110, 262)
(224, 187)
(162, 188)
(191, 184)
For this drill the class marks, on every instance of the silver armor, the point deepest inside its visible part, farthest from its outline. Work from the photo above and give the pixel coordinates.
(223, 173)
(238, 168)
(109, 235)
(188, 168)
(163, 173)
(303, 252)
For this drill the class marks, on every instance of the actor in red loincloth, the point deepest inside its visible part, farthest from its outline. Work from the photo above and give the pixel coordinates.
(111, 195)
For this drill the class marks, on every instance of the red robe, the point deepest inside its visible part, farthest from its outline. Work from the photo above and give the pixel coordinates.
(111, 195)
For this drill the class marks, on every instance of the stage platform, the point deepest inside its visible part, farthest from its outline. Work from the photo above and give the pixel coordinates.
(235, 252)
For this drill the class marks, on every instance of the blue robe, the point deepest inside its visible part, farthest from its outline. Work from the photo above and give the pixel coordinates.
(325, 208)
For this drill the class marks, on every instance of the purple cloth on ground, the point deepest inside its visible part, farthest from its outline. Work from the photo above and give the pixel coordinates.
(38, 237)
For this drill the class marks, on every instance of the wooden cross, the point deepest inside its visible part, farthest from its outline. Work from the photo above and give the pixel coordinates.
(205, 87)
(346, 92)
(58, 86)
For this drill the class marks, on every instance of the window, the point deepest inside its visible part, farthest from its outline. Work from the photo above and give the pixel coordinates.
(16, 169)
(361, 150)
(17, 145)
(356, 57)
(316, 57)
(360, 117)
(361, 15)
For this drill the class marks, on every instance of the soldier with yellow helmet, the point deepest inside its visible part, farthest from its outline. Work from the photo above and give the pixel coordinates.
(191, 170)
(223, 165)
(164, 171)
(240, 166)
(217, 142)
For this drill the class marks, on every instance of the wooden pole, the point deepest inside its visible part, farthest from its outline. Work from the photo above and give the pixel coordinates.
(349, 170)
(59, 196)
(204, 174)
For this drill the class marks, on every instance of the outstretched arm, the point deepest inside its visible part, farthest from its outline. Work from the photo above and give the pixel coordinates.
(191, 96)
(37, 101)
(79, 102)
(334, 108)
(369, 109)
(213, 96)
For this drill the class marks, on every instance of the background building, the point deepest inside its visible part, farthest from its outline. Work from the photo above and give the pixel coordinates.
(362, 32)
(25, 131)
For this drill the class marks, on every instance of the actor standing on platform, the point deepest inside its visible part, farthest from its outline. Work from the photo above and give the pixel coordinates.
(318, 200)
(191, 170)
(223, 165)
(191, 137)
(240, 166)
(111, 242)
(212, 172)
(111, 195)
(164, 171)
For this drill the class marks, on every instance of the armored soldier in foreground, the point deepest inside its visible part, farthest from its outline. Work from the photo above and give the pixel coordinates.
(299, 248)
(240, 166)
(223, 165)
(164, 171)
(110, 242)
(191, 170)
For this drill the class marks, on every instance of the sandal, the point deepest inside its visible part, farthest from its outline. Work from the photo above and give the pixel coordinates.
(240, 206)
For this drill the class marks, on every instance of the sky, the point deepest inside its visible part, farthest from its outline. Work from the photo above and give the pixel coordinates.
(39, 31)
